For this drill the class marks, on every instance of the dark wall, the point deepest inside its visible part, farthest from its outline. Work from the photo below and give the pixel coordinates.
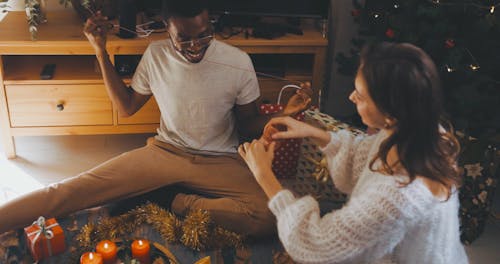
(338, 87)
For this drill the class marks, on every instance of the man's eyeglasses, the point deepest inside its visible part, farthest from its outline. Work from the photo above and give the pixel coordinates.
(183, 45)
(202, 42)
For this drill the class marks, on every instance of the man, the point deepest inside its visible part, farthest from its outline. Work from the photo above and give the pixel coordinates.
(204, 89)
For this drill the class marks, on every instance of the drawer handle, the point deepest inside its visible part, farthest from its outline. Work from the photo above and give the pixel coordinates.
(60, 107)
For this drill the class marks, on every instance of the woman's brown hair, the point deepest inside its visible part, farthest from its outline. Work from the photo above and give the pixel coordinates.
(404, 84)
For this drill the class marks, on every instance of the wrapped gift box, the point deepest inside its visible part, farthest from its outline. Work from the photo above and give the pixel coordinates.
(287, 152)
(45, 238)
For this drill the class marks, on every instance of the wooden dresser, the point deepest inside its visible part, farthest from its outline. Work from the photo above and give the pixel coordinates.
(75, 101)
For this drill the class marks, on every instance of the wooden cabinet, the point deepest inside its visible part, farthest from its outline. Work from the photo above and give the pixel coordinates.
(148, 114)
(58, 105)
(75, 101)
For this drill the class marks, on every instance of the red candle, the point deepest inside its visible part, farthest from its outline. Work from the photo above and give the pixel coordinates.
(108, 251)
(91, 258)
(140, 251)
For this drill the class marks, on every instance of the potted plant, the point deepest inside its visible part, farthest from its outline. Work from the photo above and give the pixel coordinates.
(36, 10)
(4, 6)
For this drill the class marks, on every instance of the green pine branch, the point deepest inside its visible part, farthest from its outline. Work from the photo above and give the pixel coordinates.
(457, 36)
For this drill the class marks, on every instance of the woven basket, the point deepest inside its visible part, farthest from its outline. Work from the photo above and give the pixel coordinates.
(312, 176)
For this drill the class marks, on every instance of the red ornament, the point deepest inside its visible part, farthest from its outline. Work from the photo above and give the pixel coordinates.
(355, 12)
(390, 33)
(449, 43)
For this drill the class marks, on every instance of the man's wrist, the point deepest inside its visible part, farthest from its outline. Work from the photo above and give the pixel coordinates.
(286, 112)
(102, 54)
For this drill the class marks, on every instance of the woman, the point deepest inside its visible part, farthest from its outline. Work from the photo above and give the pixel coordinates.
(402, 182)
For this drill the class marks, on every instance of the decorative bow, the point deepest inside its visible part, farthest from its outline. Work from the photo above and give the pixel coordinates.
(45, 231)
(321, 171)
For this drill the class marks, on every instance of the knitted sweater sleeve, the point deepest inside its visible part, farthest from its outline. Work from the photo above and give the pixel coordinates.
(367, 228)
(346, 155)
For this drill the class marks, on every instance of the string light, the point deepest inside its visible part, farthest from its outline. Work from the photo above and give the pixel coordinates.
(474, 67)
(254, 71)
(487, 7)
(147, 33)
(448, 68)
(396, 6)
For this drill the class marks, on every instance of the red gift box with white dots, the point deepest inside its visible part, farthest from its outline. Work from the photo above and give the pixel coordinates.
(286, 155)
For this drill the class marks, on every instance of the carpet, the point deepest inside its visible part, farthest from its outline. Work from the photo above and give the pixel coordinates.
(15, 182)
(13, 245)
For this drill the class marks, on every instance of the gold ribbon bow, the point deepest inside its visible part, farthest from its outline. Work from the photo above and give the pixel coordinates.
(321, 171)
(45, 231)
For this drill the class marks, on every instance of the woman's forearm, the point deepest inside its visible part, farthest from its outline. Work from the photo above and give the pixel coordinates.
(269, 183)
(320, 137)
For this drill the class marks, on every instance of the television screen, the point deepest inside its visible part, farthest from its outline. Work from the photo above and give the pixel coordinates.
(288, 8)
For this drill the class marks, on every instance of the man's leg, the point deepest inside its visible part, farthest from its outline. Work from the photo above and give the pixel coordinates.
(162, 197)
(227, 189)
(130, 174)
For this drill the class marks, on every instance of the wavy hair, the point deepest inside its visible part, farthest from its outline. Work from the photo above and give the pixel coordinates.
(404, 84)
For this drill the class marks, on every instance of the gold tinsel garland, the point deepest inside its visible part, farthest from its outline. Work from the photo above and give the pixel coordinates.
(165, 222)
(195, 231)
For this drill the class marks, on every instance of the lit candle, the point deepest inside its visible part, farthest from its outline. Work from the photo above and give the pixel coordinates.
(108, 250)
(140, 251)
(91, 258)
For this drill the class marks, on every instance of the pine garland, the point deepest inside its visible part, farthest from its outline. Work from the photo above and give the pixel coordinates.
(87, 237)
(462, 37)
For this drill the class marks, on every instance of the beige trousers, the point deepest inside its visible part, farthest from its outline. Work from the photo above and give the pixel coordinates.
(236, 201)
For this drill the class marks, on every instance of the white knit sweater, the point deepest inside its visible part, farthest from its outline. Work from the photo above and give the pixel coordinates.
(381, 223)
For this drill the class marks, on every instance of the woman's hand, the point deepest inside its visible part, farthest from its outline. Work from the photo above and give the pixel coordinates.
(259, 156)
(287, 127)
(259, 159)
(300, 101)
(96, 29)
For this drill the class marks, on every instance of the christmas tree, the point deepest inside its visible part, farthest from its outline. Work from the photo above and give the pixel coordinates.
(462, 37)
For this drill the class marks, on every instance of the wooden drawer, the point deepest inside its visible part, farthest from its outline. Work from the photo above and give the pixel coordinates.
(270, 89)
(148, 114)
(58, 105)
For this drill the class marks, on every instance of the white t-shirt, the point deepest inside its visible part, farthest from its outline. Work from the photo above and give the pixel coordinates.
(196, 100)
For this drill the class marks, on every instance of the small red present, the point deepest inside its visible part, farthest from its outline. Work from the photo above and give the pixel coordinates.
(287, 152)
(45, 238)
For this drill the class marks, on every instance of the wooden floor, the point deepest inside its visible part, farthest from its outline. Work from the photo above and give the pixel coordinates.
(45, 160)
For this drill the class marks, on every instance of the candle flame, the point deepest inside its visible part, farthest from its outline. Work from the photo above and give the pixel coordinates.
(91, 256)
(140, 242)
(106, 245)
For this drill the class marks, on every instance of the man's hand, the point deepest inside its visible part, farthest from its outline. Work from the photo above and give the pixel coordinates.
(269, 131)
(300, 101)
(96, 29)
